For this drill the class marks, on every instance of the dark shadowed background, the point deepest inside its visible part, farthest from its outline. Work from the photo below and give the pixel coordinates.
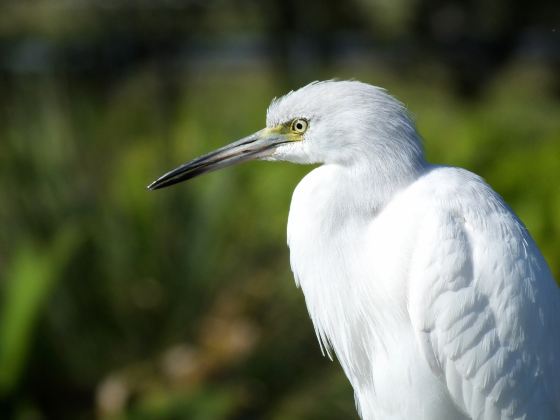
(118, 303)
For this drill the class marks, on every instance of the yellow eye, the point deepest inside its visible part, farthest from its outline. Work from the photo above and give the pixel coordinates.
(299, 126)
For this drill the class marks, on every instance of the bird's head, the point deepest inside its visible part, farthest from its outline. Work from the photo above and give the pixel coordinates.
(340, 122)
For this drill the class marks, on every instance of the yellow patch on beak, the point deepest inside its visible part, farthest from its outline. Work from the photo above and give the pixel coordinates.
(285, 131)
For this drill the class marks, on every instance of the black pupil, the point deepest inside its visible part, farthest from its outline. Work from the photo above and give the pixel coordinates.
(299, 126)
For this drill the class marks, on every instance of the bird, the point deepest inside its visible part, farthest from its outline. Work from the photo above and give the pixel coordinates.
(417, 277)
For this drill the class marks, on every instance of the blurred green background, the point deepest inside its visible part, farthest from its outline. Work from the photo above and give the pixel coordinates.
(117, 303)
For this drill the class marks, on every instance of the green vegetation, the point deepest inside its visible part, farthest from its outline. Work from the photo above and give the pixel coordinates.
(180, 303)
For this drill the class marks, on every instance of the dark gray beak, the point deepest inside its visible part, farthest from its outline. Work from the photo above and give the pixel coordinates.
(258, 145)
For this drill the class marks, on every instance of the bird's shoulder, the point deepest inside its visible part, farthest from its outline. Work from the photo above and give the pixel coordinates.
(451, 189)
(448, 198)
(482, 299)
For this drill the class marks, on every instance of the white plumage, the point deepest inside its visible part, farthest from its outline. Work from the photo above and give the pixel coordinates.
(426, 286)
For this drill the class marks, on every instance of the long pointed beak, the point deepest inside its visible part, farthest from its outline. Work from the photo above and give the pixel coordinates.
(258, 145)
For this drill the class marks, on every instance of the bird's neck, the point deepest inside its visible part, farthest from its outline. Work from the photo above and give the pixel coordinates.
(366, 186)
(331, 210)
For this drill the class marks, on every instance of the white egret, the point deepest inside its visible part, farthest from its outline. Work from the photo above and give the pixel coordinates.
(430, 291)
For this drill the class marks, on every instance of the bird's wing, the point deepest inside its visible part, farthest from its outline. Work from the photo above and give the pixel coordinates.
(484, 308)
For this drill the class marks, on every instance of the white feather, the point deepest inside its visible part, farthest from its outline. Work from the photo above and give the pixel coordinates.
(430, 291)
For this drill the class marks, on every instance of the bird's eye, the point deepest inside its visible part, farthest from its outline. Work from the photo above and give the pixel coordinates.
(299, 126)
